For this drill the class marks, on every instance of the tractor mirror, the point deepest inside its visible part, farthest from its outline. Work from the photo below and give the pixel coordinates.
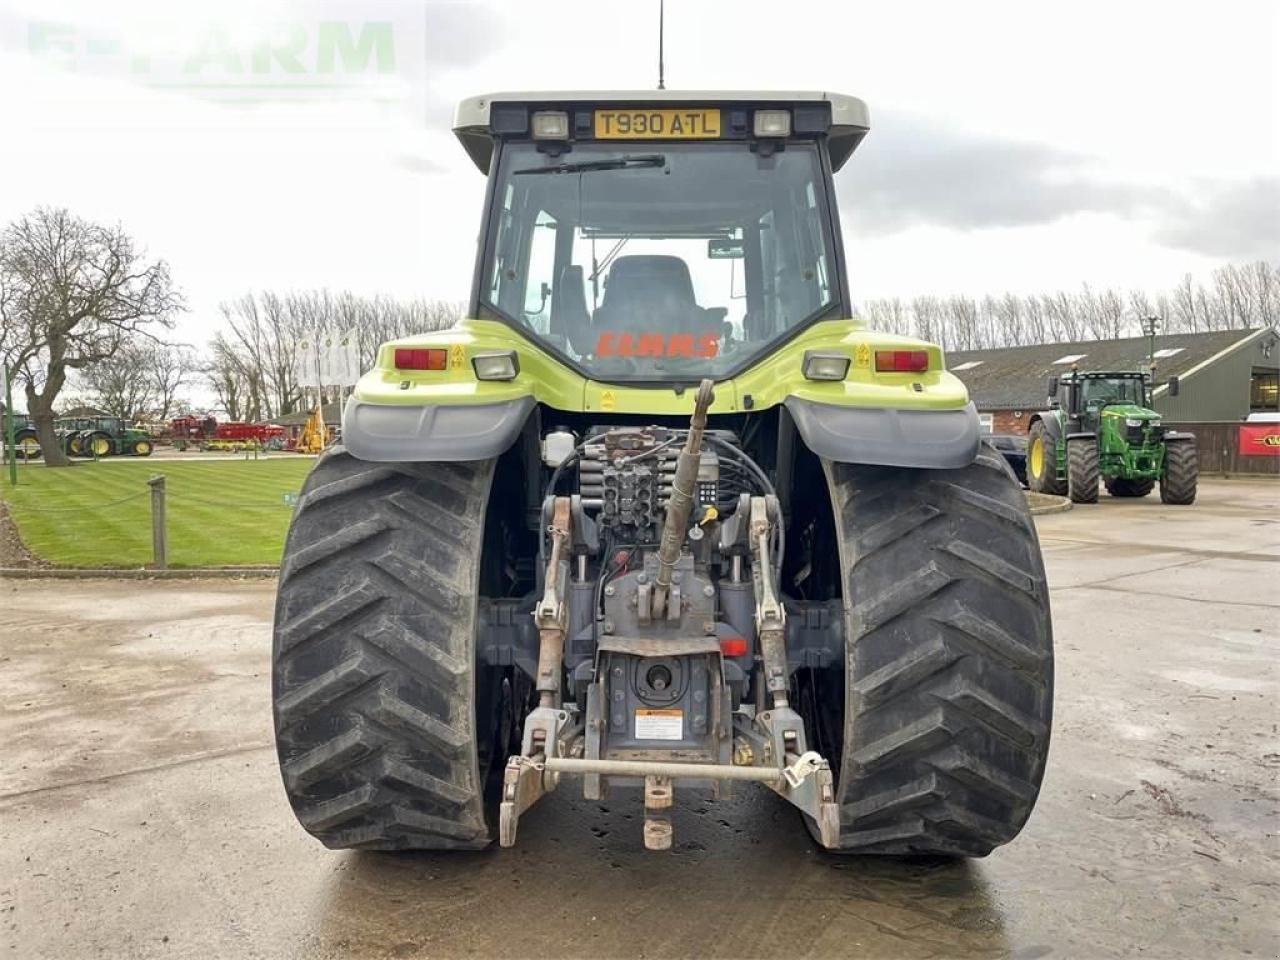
(1053, 386)
(1173, 387)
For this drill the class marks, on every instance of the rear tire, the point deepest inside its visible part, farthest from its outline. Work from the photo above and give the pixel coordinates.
(1045, 479)
(27, 445)
(374, 664)
(1181, 472)
(1126, 487)
(1082, 470)
(948, 682)
(97, 445)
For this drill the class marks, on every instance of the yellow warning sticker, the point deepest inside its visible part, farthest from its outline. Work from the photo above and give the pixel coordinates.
(863, 355)
(659, 724)
(456, 356)
(607, 400)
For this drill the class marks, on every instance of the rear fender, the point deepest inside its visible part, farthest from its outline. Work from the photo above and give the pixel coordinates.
(929, 439)
(432, 432)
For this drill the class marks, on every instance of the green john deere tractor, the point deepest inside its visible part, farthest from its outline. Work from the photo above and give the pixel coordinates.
(1104, 427)
(659, 514)
(107, 437)
(25, 440)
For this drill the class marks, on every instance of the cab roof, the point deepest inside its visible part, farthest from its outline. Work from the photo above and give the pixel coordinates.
(850, 120)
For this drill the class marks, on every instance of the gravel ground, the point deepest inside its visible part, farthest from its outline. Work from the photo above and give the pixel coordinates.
(141, 812)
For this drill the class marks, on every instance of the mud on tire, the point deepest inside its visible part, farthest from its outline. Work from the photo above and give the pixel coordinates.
(374, 654)
(948, 686)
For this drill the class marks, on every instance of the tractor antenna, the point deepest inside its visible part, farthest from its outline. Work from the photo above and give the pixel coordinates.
(661, 12)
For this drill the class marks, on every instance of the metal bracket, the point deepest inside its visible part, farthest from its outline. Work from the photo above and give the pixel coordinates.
(550, 615)
(526, 779)
(808, 763)
(522, 787)
(771, 621)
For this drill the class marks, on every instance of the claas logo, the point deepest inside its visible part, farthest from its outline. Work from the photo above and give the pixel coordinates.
(703, 346)
(1268, 439)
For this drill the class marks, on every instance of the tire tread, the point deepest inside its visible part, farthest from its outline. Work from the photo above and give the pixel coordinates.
(373, 674)
(949, 659)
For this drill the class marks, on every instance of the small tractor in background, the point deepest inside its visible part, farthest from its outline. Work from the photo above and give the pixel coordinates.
(25, 439)
(107, 437)
(86, 437)
(1104, 427)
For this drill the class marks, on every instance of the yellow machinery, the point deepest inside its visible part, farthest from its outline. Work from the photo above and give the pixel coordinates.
(314, 435)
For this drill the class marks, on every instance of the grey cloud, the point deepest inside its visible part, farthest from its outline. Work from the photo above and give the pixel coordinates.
(911, 171)
(1240, 221)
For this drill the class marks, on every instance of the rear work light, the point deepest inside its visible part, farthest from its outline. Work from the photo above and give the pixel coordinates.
(825, 366)
(412, 358)
(772, 123)
(496, 366)
(902, 361)
(551, 125)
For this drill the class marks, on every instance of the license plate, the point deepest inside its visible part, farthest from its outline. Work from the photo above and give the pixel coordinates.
(689, 124)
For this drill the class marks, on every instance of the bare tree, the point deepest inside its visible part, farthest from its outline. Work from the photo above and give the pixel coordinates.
(1037, 325)
(226, 375)
(71, 294)
(929, 321)
(120, 384)
(891, 316)
(169, 367)
(1111, 314)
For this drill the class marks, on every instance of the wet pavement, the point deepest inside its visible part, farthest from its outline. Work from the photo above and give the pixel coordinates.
(141, 813)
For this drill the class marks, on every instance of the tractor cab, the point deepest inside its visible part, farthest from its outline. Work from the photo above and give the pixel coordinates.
(1124, 394)
(657, 236)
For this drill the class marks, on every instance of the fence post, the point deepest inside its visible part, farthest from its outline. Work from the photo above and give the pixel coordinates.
(159, 546)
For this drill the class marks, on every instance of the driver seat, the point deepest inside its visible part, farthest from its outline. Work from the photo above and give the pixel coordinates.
(650, 293)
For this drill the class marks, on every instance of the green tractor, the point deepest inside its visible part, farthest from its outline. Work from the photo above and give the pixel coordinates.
(25, 440)
(107, 437)
(1104, 427)
(659, 515)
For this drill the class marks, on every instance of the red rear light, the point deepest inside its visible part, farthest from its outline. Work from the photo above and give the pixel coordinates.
(410, 358)
(733, 646)
(902, 361)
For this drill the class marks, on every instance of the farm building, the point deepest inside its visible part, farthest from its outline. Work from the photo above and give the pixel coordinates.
(1224, 375)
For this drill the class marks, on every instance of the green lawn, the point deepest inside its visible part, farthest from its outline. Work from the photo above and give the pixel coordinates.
(220, 513)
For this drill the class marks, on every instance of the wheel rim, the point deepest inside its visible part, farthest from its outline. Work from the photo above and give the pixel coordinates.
(101, 447)
(143, 448)
(28, 446)
(1036, 456)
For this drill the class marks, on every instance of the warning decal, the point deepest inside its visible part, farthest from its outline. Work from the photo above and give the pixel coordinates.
(659, 724)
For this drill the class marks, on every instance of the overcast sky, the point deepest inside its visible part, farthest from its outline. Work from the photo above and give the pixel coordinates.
(1013, 145)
